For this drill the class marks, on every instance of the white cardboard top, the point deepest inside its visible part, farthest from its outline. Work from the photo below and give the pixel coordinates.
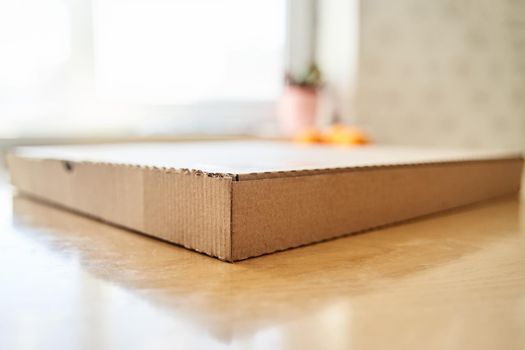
(246, 157)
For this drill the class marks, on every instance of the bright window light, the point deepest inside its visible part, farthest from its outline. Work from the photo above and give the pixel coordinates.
(188, 51)
(34, 37)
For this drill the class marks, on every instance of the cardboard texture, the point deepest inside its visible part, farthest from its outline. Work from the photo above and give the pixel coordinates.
(240, 199)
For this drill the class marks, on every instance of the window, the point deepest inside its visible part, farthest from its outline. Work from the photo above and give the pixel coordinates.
(92, 66)
(189, 51)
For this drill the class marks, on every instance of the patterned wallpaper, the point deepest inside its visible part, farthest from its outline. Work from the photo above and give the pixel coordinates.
(443, 72)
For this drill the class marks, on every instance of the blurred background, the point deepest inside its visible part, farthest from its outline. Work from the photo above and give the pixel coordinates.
(445, 73)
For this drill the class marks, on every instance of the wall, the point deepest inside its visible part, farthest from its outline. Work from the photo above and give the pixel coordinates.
(441, 72)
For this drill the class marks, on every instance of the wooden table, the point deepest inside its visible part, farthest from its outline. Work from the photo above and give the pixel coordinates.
(449, 281)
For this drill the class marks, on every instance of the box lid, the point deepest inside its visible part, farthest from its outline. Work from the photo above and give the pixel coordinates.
(257, 159)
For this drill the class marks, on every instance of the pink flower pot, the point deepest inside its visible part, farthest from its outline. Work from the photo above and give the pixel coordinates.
(297, 109)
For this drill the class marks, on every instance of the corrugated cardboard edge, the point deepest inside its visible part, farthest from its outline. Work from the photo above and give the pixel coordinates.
(272, 213)
(308, 172)
(189, 208)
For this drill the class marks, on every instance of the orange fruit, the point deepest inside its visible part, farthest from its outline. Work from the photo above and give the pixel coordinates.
(308, 136)
(344, 135)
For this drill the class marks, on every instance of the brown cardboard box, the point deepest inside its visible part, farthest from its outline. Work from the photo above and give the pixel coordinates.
(235, 200)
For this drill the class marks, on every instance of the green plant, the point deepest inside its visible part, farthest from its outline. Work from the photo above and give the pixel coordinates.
(311, 79)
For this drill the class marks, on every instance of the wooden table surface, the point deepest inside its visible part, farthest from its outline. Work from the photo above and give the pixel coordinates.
(449, 281)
